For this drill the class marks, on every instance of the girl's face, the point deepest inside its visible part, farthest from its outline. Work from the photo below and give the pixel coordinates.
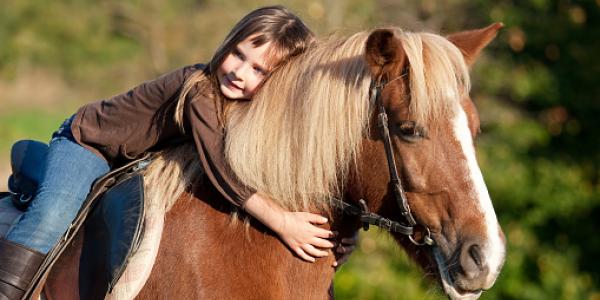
(243, 70)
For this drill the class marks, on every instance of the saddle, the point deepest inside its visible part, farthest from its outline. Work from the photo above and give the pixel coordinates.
(112, 216)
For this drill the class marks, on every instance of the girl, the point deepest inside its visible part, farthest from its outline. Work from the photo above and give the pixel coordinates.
(187, 102)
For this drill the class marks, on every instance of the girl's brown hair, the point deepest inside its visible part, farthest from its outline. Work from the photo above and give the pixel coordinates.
(288, 35)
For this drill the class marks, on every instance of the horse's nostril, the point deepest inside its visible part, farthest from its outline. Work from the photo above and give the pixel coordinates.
(471, 271)
(472, 261)
(475, 253)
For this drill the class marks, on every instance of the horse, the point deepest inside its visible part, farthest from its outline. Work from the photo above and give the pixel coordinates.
(308, 141)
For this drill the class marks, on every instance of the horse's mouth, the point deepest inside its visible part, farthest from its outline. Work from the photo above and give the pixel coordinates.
(454, 292)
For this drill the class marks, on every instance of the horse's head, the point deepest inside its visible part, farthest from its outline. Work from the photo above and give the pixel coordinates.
(433, 123)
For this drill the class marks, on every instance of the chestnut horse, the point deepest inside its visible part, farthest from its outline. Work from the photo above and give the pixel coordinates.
(313, 142)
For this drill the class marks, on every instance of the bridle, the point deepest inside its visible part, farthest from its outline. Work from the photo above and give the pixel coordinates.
(368, 218)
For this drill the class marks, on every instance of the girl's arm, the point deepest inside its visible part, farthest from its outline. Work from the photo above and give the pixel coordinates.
(296, 229)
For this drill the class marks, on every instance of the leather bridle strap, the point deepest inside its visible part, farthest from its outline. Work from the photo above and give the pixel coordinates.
(395, 183)
(368, 218)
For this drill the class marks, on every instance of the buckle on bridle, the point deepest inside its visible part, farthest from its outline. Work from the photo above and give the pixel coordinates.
(365, 210)
(425, 239)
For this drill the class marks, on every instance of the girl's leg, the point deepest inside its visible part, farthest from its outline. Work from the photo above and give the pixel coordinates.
(69, 173)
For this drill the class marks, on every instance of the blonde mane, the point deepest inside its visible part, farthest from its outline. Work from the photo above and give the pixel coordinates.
(297, 139)
(294, 140)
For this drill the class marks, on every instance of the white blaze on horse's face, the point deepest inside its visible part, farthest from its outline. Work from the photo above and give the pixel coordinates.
(492, 246)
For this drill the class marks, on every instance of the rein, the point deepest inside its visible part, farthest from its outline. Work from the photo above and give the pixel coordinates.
(368, 218)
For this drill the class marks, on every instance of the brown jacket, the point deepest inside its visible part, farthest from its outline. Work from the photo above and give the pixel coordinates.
(125, 126)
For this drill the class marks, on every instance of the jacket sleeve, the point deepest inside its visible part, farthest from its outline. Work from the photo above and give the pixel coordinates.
(124, 126)
(201, 116)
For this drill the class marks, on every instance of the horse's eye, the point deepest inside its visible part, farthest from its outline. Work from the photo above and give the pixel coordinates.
(411, 132)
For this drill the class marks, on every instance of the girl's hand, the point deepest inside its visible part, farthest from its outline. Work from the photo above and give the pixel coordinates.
(298, 231)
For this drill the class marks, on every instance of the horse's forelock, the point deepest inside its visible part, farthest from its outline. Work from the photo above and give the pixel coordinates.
(439, 76)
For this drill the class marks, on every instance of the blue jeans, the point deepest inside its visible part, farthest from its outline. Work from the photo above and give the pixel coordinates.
(69, 173)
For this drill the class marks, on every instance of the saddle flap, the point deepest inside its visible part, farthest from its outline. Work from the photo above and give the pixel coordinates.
(112, 234)
(27, 161)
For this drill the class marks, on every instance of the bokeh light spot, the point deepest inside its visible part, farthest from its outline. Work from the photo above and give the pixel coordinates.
(516, 39)
(577, 15)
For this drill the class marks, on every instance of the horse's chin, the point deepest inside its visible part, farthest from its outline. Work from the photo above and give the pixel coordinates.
(453, 292)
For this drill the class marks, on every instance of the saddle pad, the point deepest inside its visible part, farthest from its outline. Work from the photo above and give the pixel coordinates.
(140, 264)
(112, 233)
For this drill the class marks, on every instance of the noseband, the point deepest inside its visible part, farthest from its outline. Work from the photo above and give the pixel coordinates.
(368, 218)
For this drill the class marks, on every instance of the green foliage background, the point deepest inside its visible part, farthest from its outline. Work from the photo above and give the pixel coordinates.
(536, 87)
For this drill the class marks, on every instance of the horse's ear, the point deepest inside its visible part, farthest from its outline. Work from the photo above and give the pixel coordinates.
(472, 42)
(383, 50)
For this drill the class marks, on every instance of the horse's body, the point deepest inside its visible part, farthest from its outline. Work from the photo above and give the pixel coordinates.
(213, 258)
(208, 253)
